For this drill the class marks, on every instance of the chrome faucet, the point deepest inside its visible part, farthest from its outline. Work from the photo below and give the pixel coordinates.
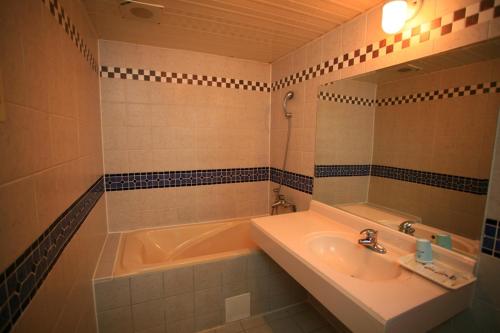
(280, 201)
(407, 227)
(370, 241)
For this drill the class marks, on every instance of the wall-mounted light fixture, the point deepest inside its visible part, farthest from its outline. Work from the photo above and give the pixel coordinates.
(395, 13)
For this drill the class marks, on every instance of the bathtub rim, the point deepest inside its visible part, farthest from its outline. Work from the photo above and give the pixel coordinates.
(222, 256)
(117, 273)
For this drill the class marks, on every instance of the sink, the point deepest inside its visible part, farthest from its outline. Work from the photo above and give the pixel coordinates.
(346, 256)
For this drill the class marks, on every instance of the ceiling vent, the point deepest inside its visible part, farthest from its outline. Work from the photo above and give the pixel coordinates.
(143, 11)
(407, 68)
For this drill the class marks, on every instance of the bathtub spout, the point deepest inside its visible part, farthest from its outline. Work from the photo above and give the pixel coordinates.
(282, 202)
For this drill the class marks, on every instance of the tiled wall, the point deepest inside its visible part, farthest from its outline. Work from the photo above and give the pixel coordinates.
(194, 112)
(191, 298)
(51, 155)
(344, 138)
(484, 313)
(360, 46)
(447, 135)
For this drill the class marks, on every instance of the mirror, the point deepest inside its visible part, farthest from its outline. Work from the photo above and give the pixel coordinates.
(413, 142)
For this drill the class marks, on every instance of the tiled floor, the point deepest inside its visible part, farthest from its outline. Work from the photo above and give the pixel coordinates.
(301, 318)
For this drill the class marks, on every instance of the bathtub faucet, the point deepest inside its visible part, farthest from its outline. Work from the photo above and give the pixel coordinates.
(280, 201)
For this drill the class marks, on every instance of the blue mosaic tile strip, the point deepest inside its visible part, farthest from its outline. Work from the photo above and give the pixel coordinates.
(450, 182)
(491, 238)
(145, 180)
(296, 181)
(347, 170)
(22, 279)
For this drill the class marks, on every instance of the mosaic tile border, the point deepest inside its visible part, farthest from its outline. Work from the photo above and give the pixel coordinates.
(64, 20)
(450, 182)
(467, 90)
(293, 180)
(22, 279)
(479, 12)
(492, 87)
(344, 170)
(332, 97)
(491, 238)
(163, 179)
(181, 78)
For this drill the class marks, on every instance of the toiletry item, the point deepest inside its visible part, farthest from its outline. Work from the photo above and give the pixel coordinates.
(443, 240)
(424, 251)
(438, 272)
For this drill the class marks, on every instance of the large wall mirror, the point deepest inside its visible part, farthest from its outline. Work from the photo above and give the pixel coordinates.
(413, 143)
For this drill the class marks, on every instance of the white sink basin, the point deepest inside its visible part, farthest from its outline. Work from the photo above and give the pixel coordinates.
(344, 255)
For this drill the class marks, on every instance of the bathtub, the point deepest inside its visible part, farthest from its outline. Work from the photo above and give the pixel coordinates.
(200, 265)
(159, 249)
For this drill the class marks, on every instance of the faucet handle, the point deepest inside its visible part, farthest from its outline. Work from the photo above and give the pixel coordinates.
(407, 227)
(370, 233)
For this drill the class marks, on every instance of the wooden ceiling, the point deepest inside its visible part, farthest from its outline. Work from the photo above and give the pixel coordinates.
(261, 30)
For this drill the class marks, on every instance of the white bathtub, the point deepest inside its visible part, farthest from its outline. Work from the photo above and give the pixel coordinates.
(159, 249)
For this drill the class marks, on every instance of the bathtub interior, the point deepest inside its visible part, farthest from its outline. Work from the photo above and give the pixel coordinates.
(144, 250)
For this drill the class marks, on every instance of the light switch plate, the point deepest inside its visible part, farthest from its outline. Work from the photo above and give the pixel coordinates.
(238, 307)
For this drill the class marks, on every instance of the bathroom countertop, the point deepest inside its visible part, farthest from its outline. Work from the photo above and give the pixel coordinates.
(388, 305)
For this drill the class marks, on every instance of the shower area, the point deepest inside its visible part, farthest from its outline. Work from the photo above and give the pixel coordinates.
(280, 201)
(138, 139)
(142, 162)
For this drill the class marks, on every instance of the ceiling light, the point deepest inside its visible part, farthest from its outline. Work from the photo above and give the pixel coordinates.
(394, 15)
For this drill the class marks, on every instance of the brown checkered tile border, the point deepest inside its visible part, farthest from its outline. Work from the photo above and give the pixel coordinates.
(492, 87)
(332, 97)
(467, 90)
(460, 19)
(63, 19)
(181, 78)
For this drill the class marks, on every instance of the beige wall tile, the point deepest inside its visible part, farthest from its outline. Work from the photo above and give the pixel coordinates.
(52, 139)
(160, 127)
(63, 139)
(332, 44)
(26, 145)
(148, 315)
(116, 320)
(19, 227)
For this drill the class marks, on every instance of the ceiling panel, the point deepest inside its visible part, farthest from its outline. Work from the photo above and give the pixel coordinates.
(261, 30)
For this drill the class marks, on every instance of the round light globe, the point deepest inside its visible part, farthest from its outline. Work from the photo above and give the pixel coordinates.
(394, 14)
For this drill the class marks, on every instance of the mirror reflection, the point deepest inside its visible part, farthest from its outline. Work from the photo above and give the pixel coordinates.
(411, 146)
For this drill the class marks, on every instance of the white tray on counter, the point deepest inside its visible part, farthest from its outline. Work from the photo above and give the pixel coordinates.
(437, 272)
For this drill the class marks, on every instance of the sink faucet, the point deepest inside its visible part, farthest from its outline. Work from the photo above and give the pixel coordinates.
(407, 227)
(370, 241)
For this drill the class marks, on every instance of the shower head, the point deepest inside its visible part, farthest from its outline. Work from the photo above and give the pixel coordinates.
(288, 96)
